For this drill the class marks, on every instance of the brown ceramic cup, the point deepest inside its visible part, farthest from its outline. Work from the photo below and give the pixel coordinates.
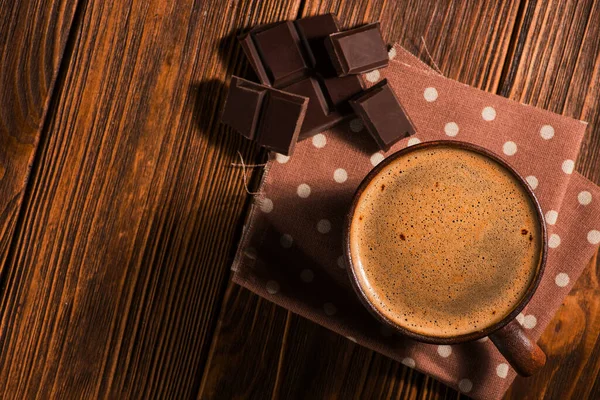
(524, 355)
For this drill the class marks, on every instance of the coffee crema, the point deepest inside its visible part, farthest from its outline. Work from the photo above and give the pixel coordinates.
(445, 241)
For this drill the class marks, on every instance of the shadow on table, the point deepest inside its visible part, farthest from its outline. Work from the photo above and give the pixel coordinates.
(208, 98)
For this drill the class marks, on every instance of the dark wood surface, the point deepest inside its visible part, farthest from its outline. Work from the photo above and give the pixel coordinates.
(120, 210)
(33, 38)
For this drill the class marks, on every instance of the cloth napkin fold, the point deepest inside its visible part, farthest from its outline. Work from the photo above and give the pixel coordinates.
(291, 249)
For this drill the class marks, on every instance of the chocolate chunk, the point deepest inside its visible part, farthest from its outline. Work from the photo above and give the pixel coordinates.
(319, 116)
(242, 107)
(254, 58)
(292, 57)
(357, 50)
(341, 89)
(280, 50)
(281, 120)
(383, 115)
(271, 117)
(313, 31)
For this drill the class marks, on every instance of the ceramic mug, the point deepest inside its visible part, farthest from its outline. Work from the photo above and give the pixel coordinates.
(524, 355)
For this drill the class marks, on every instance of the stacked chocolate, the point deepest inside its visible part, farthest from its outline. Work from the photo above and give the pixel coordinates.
(309, 82)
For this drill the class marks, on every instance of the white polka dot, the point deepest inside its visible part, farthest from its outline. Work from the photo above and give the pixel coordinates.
(584, 198)
(324, 226)
(551, 217)
(488, 113)
(554, 241)
(521, 318)
(568, 166)
(286, 241)
(329, 309)
(266, 205)
(386, 331)
(547, 132)
(351, 338)
(509, 148)
(392, 53)
(412, 141)
(409, 362)
(373, 76)
(430, 94)
(319, 140)
(307, 275)
(532, 181)
(593, 236)
(465, 385)
(340, 175)
(272, 287)
(451, 129)
(303, 190)
(444, 350)
(281, 159)
(376, 159)
(483, 339)
(340, 262)
(356, 125)
(529, 322)
(250, 252)
(562, 279)
(502, 370)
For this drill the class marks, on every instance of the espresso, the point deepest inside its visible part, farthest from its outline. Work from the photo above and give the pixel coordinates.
(445, 241)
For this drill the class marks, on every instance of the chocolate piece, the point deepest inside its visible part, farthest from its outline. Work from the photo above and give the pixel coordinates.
(281, 120)
(358, 50)
(254, 58)
(313, 31)
(383, 115)
(242, 107)
(270, 116)
(318, 114)
(292, 57)
(280, 51)
(341, 89)
(318, 109)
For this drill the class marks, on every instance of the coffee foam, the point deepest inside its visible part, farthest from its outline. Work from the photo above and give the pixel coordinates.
(445, 241)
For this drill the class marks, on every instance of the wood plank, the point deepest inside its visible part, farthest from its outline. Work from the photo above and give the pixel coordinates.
(34, 36)
(122, 257)
(299, 359)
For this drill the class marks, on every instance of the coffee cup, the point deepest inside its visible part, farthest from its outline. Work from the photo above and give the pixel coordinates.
(446, 243)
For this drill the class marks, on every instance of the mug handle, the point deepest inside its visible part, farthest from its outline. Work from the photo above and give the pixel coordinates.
(523, 354)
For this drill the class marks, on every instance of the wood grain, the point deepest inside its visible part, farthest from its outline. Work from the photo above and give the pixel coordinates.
(312, 362)
(122, 257)
(33, 37)
(118, 265)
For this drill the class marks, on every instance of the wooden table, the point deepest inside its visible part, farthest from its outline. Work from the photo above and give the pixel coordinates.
(120, 210)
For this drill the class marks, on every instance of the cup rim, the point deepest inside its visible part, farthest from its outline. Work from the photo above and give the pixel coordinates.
(464, 337)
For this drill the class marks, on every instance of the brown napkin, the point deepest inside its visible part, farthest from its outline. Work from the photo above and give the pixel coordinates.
(291, 248)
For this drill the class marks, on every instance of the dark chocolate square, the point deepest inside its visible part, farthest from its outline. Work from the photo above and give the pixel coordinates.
(281, 53)
(341, 89)
(313, 31)
(254, 58)
(318, 114)
(243, 105)
(383, 115)
(358, 50)
(281, 121)
(271, 117)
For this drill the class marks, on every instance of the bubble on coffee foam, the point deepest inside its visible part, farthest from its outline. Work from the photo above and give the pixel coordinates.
(433, 205)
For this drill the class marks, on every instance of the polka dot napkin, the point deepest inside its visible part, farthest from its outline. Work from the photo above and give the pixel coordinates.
(291, 250)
